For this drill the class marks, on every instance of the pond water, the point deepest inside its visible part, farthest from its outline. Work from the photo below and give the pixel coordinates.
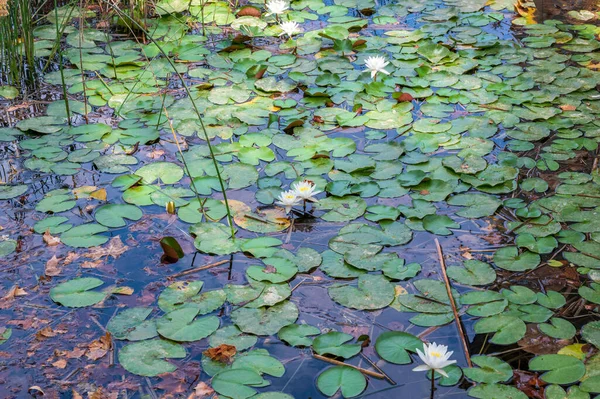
(474, 151)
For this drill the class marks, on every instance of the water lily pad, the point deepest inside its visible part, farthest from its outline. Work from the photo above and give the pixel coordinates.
(349, 381)
(298, 334)
(8, 192)
(85, 236)
(561, 369)
(146, 358)
(131, 324)
(237, 383)
(114, 215)
(394, 346)
(77, 293)
(265, 321)
(181, 325)
(334, 343)
(373, 292)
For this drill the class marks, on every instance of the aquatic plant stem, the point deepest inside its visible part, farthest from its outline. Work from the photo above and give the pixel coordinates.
(187, 169)
(432, 384)
(461, 332)
(338, 363)
(61, 66)
(196, 110)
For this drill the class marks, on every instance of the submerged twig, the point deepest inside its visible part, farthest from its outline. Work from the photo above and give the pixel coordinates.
(376, 367)
(461, 333)
(198, 269)
(338, 363)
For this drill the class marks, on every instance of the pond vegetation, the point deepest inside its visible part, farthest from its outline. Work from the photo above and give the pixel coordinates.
(280, 200)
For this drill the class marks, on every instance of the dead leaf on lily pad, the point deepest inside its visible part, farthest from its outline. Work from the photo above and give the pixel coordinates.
(50, 240)
(114, 248)
(223, 353)
(202, 391)
(267, 220)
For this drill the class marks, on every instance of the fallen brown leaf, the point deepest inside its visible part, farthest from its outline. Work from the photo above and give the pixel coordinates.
(99, 347)
(567, 107)
(201, 391)
(71, 257)
(223, 353)
(52, 267)
(99, 194)
(50, 240)
(46, 332)
(60, 363)
(88, 264)
(114, 248)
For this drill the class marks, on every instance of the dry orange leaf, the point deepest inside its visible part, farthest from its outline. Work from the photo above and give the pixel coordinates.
(52, 267)
(60, 363)
(99, 194)
(222, 353)
(202, 391)
(50, 240)
(99, 347)
(567, 107)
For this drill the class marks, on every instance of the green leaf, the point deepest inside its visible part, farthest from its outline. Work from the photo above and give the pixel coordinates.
(231, 335)
(474, 273)
(507, 329)
(165, 172)
(508, 258)
(373, 292)
(76, 293)
(114, 215)
(145, 358)
(131, 324)
(350, 381)
(298, 334)
(394, 346)
(439, 224)
(260, 361)
(265, 321)
(8, 192)
(84, 236)
(490, 370)
(236, 383)
(5, 334)
(561, 369)
(278, 270)
(591, 333)
(181, 325)
(334, 343)
(487, 391)
(558, 328)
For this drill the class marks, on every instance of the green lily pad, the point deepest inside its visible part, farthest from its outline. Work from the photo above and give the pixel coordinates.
(131, 324)
(181, 325)
(373, 292)
(77, 293)
(394, 346)
(334, 343)
(146, 358)
(349, 381)
(265, 321)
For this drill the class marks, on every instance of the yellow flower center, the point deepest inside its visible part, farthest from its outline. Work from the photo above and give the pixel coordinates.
(435, 354)
(289, 197)
(303, 188)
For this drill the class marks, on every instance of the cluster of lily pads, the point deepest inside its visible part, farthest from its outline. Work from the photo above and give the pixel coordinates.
(470, 123)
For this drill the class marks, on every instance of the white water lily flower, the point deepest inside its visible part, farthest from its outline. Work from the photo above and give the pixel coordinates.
(289, 28)
(276, 7)
(435, 358)
(305, 190)
(376, 65)
(288, 199)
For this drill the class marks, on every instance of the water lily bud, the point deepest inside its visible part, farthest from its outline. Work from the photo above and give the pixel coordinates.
(170, 207)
